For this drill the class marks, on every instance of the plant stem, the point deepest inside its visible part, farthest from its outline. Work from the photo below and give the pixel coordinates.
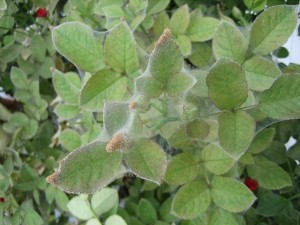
(241, 108)
(295, 196)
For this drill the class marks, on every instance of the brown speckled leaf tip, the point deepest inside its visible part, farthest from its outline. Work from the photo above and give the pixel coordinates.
(166, 34)
(132, 105)
(116, 143)
(53, 178)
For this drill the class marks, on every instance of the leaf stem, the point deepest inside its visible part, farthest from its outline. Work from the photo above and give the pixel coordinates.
(295, 196)
(15, 137)
(92, 210)
(241, 108)
(164, 105)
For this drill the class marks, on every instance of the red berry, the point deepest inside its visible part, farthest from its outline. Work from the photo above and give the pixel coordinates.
(41, 12)
(2, 199)
(251, 184)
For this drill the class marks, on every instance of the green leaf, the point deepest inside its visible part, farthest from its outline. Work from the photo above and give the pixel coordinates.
(69, 139)
(220, 216)
(113, 11)
(45, 69)
(236, 131)
(115, 220)
(74, 176)
(231, 195)
(50, 192)
(149, 87)
(197, 129)
(66, 112)
(19, 78)
(282, 100)
(161, 22)
(30, 129)
(227, 85)
(179, 84)
(165, 51)
(120, 50)
(115, 116)
(294, 152)
(3, 5)
(148, 186)
(76, 42)
(202, 54)
(62, 200)
(191, 200)
(180, 20)
(182, 169)
(272, 28)
(93, 221)
(79, 206)
(38, 48)
(18, 119)
(146, 212)
(32, 217)
(268, 174)
(229, 43)
(196, 14)
(10, 52)
(165, 210)
(147, 159)
(216, 160)
(67, 86)
(260, 73)
(22, 95)
(255, 5)
(202, 28)
(271, 204)
(262, 140)
(93, 92)
(158, 222)
(276, 152)
(104, 200)
(281, 52)
(155, 6)
(184, 44)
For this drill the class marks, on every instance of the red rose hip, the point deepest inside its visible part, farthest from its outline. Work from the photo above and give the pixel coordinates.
(251, 184)
(41, 12)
